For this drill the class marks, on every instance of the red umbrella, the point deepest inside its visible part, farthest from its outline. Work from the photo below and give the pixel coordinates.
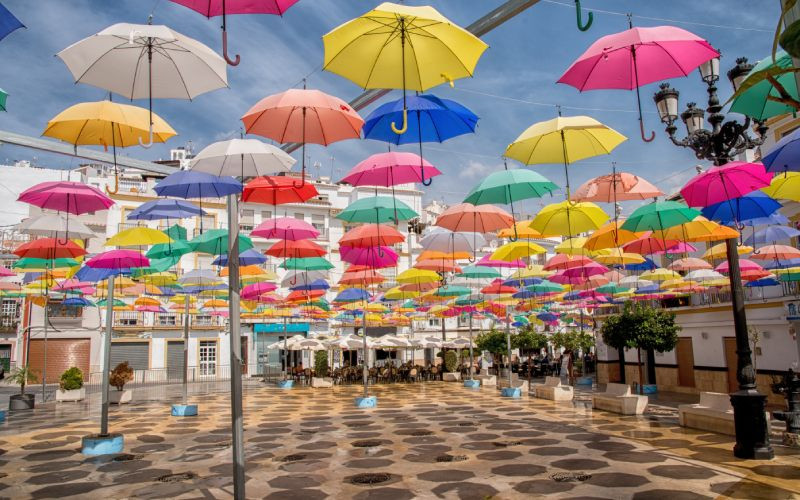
(649, 245)
(277, 190)
(304, 295)
(49, 248)
(288, 249)
(497, 288)
(371, 235)
(564, 261)
(364, 277)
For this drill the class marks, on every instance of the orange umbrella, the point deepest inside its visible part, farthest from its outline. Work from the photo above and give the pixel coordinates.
(49, 248)
(775, 252)
(466, 217)
(609, 236)
(434, 254)
(295, 249)
(438, 265)
(371, 235)
(365, 277)
(649, 245)
(619, 186)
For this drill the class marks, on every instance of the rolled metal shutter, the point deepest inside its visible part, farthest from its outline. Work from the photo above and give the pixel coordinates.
(175, 360)
(137, 354)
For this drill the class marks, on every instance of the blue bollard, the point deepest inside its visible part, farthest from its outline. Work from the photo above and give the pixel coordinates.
(285, 384)
(95, 444)
(2, 415)
(511, 392)
(184, 410)
(472, 384)
(368, 402)
(584, 381)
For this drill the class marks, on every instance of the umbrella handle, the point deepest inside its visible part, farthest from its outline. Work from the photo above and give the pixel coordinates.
(400, 131)
(232, 62)
(424, 182)
(116, 184)
(644, 137)
(150, 138)
(590, 18)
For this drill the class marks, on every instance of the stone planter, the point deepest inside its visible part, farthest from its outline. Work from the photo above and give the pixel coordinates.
(472, 384)
(285, 384)
(120, 397)
(368, 402)
(72, 395)
(184, 410)
(21, 402)
(321, 382)
(96, 444)
(451, 376)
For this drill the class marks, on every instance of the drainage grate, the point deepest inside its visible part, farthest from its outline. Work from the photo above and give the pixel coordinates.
(569, 477)
(175, 478)
(451, 458)
(126, 457)
(466, 424)
(295, 457)
(420, 433)
(367, 443)
(370, 478)
(506, 444)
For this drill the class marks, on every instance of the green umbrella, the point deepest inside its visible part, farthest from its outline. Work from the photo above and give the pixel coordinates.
(377, 209)
(31, 263)
(545, 287)
(751, 98)
(3, 97)
(156, 266)
(162, 250)
(612, 288)
(659, 215)
(215, 242)
(478, 272)
(451, 291)
(307, 264)
(103, 302)
(508, 186)
(469, 300)
(177, 232)
(790, 276)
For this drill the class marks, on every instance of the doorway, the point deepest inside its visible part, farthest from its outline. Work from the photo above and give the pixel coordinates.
(685, 356)
(731, 361)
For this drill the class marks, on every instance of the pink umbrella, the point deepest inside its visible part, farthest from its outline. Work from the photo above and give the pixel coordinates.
(374, 257)
(680, 247)
(719, 184)
(487, 262)
(744, 265)
(6, 272)
(689, 264)
(285, 228)
(563, 261)
(152, 309)
(71, 284)
(563, 279)
(255, 290)
(118, 259)
(636, 57)
(71, 197)
(585, 271)
(390, 169)
(466, 217)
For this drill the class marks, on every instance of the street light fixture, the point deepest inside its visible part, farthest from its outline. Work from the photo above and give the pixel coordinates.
(720, 144)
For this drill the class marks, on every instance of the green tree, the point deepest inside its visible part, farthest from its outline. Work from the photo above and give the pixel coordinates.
(529, 339)
(641, 327)
(493, 341)
(572, 340)
(321, 364)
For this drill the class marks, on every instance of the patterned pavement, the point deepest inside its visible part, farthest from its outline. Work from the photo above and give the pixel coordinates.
(431, 440)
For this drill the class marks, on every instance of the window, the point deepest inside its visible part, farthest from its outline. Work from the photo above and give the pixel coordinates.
(318, 221)
(202, 320)
(208, 357)
(166, 320)
(434, 322)
(126, 318)
(299, 216)
(248, 214)
(59, 310)
(266, 214)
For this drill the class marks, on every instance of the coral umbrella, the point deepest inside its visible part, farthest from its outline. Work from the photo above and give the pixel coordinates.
(285, 228)
(466, 217)
(437, 265)
(498, 288)
(563, 261)
(609, 236)
(365, 277)
(304, 116)
(371, 235)
(718, 184)
(49, 248)
(277, 190)
(775, 252)
(689, 264)
(619, 186)
(295, 249)
(649, 245)
(744, 265)
(636, 57)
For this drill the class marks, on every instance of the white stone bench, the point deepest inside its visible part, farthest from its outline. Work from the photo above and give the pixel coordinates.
(553, 390)
(713, 413)
(618, 399)
(522, 385)
(321, 382)
(451, 376)
(486, 380)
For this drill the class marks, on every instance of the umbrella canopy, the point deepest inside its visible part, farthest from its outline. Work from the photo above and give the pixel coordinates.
(719, 184)
(246, 258)
(293, 278)
(276, 190)
(118, 259)
(698, 229)
(242, 158)
(55, 226)
(785, 186)
(295, 249)
(137, 236)
(49, 248)
(771, 234)
(165, 209)
(689, 264)
(609, 236)
(442, 240)
(352, 295)
(188, 184)
(285, 228)
(619, 186)
(754, 99)
(215, 242)
(521, 229)
(375, 257)
(478, 272)
(719, 251)
(416, 276)
(65, 196)
(659, 215)
(466, 217)
(307, 264)
(390, 169)
(172, 249)
(568, 218)
(486, 261)
(8, 22)
(371, 235)
(517, 250)
(742, 210)
(377, 209)
(784, 157)
(430, 119)
(508, 186)
(775, 252)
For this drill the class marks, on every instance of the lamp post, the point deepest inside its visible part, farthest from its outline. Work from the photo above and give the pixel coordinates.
(719, 144)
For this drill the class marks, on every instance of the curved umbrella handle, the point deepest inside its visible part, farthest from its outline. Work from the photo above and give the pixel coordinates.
(516, 235)
(400, 131)
(116, 184)
(150, 136)
(644, 137)
(233, 62)
(303, 182)
(589, 20)
(424, 182)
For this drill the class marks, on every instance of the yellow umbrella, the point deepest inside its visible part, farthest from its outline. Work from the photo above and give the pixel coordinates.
(161, 279)
(215, 303)
(609, 236)
(719, 251)
(785, 186)
(401, 47)
(138, 236)
(523, 230)
(568, 218)
(700, 229)
(417, 276)
(618, 256)
(675, 283)
(516, 250)
(534, 271)
(660, 274)
(397, 294)
(374, 318)
(573, 246)
(376, 308)
(120, 282)
(564, 139)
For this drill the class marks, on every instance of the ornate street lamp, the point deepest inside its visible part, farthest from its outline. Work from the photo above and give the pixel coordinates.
(719, 145)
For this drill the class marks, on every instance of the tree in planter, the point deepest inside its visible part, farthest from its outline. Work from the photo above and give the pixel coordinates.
(572, 341)
(22, 376)
(641, 327)
(493, 341)
(450, 361)
(321, 364)
(71, 379)
(529, 339)
(121, 375)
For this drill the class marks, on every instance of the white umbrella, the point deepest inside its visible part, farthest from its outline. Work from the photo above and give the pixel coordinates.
(55, 226)
(347, 342)
(242, 158)
(443, 240)
(304, 344)
(294, 278)
(635, 281)
(391, 341)
(200, 277)
(458, 343)
(145, 61)
(428, 342)
(704, 275)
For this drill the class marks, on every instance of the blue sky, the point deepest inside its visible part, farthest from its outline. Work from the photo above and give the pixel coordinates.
(514, 84)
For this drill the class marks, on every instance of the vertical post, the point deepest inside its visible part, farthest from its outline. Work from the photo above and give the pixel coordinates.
(237, 432)
(107, 356)
(44, 360)
(186, 350)
(471, 359)
(508, 345)
(365, 371)
(791, 16)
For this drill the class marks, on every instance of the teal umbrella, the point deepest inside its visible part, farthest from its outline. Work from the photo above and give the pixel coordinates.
(176, 232)
(377, 209)
(659, 215)
(451, 291)
(753, 95)
(545, 287)
(478, 272)
(42, 264)
(215, 242)
(470, 300)
(508, 186)
(156, 266)
(174, 248)
(612, 288)
(117, 303)
(3, 97)
(307, 264)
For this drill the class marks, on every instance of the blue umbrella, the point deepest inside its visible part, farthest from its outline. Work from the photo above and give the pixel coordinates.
(524, 294)
(165, 209)
(782, 264)
(430, 119)
(743, 209)
(246, 258)
(521, 282)
(775, 218)
(784, 155)
(93, 275)
(188, 184)
(647, 265)
(8, 22)
(648, 289)
(764, 282)
(547, 317)
(319, 284)
(352, 295)
(771, 234)
(78, 301)
(572, 295)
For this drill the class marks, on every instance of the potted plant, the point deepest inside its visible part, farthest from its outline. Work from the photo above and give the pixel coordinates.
(120, 375)
(22, 376)
(450, 367)
(70, 386)
(320, 378)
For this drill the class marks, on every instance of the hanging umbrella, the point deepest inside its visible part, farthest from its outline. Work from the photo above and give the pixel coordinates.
(466, 217)
(137, 236)
(377, 209)
(619, 186)
(521, 229)
(304, 116)
(689, 264)
(437, 265)
(55, 226)
(443, 240)
(390, 169)
(177, 67)
(371, 235)
(276, 190)
(363, 277)
(285, 228)
(295, 249)
(517, 250)
(215, 8)
(64, 196)
(8, 22)
(420, 44)
(775, 252)
(375, 257)
(659, 215)
(636, 57)
(564, 139)
(771, 234)
(171, 249)
(486, 261)
(609, 236)
(189, 184)
(118, 259)
(165, 209)
(246, 258)
(49, 248)
(649, 245)
(568, 218)
(719, 184)
(619, 257)
(758, 98)
(215, 242)
(698, 229)
(784, 186)
(742, 210)
(241, 158)
(307, 264)
(719, 251)
(299, 277)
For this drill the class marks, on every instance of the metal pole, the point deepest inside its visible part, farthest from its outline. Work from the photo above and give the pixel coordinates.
(508, 344)
(186, 351)
(107, 356)
(237, 429)
(471, 359)
(285, 351)
(365, 371)
(44, 360)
